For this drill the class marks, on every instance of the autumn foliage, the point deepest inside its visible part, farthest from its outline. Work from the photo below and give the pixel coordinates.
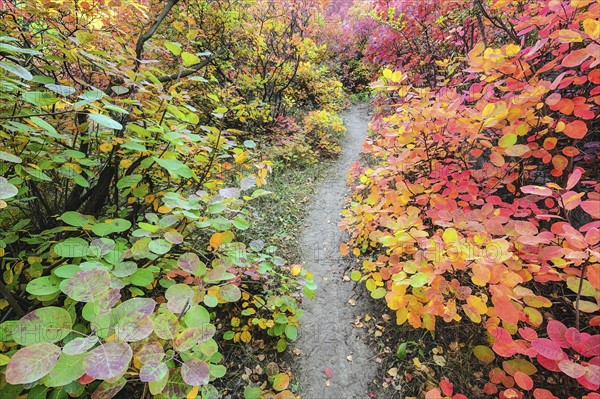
(481, 201)
(132, 138)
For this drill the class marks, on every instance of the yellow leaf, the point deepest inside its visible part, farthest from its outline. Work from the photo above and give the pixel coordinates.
(125, 163)
(356, 252)
(106, 147)
(73, 166)
(295, 269)
(512, 49)
(488, 110)
(507, 140)
(193, 393)
(246, 337)
(592, 28)
(450, 235)
(164, 209)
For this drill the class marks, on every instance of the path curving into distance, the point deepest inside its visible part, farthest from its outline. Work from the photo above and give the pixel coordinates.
(327, 338)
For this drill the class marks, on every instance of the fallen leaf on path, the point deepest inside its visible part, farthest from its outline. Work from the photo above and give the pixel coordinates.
(328, 372)
(349, 357)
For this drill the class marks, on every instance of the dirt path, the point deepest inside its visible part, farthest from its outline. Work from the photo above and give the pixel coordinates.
(327, 338)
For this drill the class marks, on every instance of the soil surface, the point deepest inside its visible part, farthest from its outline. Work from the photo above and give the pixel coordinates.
(335, 363)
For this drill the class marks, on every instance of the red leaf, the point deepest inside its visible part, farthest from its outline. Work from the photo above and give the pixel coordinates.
(447, 387)
(328, 372)
(85, 379)
(528, 333)
(548, 348)
(523, 380)
(576, 129)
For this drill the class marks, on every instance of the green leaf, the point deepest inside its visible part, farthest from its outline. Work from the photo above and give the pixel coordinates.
(291, 332)
(9, 48)
(252, 392)
(129, 181)
(66, 271)
(47, 324)
(7, 190)
(39, 98)
(38, 174)
(484, 354)
(401, 351)
(355, 275)
(111, 226)
(92, 95)
(216, 208)
(75, 219)
(142, 277)
(378, 293)
(173, 47)
(587, 289)
(159, 246)
(5, 156)
(191, 336)
(41, 286)
(153, 371)
(189, 59)
(16, 70)
(230, 293)
(418, 280)
(106, 121)
(81, 181)
(61, 90)
(210, 300)
(241, 223)
(67, 369)
(196, 316)
(249, 144)
(50, 130)
(73, 247)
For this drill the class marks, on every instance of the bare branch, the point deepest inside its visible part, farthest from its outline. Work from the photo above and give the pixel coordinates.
(139, 46)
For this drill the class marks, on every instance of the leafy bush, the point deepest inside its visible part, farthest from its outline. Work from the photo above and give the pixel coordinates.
(122, 193)
(480, 208)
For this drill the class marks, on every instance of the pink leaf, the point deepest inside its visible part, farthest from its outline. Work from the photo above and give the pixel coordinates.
(556, 332)
(548, 348)
(537, 190)
(574, 178)
(592, 207)
(572, 369)
(328, 372)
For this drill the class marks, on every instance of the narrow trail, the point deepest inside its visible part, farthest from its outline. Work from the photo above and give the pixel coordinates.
(327, 337)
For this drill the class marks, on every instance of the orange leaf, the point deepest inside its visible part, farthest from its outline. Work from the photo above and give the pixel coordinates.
(594, 76)
(523, 380)
(575, 58)
(506, 310)
(576, 129)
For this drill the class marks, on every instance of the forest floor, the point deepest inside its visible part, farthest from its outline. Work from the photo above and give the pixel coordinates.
(335, 362)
